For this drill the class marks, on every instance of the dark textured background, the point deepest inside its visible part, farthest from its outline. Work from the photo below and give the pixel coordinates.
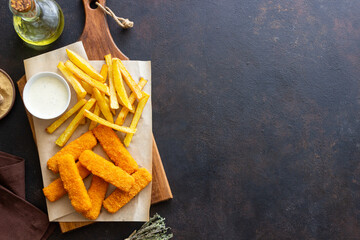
(255, 111)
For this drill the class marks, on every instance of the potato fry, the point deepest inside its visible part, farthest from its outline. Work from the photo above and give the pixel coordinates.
(113, 99)
(55, 190)
(84, 65)
(117, 199)
(113, 111)
(86, 86)
(64, 137)
(97, 192)
(65, 116)
(80, 91)
(86, 78)
(130, 81)
(102, 121)
(97, 113)
(105, 169)
(124, 111)
(104, 107)
(74, 184)
(136, 118)
(75, 148)
(119, 85)
(104, 71)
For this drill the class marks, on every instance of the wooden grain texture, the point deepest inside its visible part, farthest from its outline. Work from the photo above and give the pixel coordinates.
(98, 42)
(160, 186)
(96, 35)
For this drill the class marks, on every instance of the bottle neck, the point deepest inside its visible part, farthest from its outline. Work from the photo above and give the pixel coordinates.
(28, 10)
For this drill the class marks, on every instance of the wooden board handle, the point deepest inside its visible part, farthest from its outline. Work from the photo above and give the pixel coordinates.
(96, 36)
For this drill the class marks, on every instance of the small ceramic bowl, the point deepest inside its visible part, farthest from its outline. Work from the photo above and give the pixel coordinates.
(46, 95)
(13, 94)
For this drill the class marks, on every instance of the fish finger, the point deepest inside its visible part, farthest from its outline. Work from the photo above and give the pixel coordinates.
(113, 147)
(96, 193)
(118, 198)
(73, 183)
(75, 148)
(105, 169)
(55, 190)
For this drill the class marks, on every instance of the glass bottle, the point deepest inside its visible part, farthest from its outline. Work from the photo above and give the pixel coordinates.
(37, 22)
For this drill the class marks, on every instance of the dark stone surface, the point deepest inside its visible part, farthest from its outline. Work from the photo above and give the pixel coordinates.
(255, 112)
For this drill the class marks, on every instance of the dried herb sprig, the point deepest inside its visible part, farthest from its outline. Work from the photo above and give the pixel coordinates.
(154, 229)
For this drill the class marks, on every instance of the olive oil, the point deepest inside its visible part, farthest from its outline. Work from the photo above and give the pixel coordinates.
(37, 22)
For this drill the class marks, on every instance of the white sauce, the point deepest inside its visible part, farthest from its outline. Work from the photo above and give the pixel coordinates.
(48, 97)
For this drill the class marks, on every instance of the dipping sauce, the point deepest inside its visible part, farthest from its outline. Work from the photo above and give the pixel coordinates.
(48, 97)
(7, 93)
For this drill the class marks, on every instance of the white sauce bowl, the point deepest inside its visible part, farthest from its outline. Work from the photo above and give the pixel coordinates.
(46, 95)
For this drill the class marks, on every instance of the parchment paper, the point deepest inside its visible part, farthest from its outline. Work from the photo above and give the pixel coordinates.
(140, 147)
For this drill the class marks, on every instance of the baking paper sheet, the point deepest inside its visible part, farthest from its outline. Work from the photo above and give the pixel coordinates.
(140, 147)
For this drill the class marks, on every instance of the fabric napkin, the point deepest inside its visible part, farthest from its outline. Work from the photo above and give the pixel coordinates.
(19, 219)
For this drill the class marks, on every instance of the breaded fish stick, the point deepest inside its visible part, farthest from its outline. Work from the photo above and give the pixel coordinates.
(115, 149)
(96, 193)
(55, 190)
(75, 148)
(73, 183)
(101, 167)
(118, 198)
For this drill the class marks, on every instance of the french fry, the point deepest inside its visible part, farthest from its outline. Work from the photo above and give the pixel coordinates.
(86, 78)
(105, 169)
(64, 137)
(104, 71)
(86, 86)
(117, 199)
(124, 111)
(80, 91)
(113, 99)
(97, 113)
(130, 81)
(84, 65)
(113, 111)
(104, 107)
(136, 118)
(119, 85)
(102, 121)
(65, 116)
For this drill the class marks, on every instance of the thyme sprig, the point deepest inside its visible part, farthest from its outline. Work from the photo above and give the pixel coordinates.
(154, 229)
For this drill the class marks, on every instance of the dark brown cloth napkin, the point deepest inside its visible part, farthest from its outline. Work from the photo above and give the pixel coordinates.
(18, 218)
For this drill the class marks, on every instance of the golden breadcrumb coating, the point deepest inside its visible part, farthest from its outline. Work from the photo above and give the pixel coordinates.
(96, 193)
(75, 148)
(73, 183)
(118, 198)
(115, 149)
(55, 190)
(105, 169)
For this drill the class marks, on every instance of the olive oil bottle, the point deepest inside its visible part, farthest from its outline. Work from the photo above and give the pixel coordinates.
(37, 22)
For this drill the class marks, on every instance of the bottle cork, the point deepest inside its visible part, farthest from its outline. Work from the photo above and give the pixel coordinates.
(21, 5)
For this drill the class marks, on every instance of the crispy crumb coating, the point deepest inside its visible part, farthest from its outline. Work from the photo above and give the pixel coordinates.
(96, 193)
(105, 169)
(55, 190)
(115, 149)
(73, 183)
(118, 198)
(75, 148)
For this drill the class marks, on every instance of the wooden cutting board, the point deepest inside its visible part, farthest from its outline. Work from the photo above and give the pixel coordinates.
(98, 42)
